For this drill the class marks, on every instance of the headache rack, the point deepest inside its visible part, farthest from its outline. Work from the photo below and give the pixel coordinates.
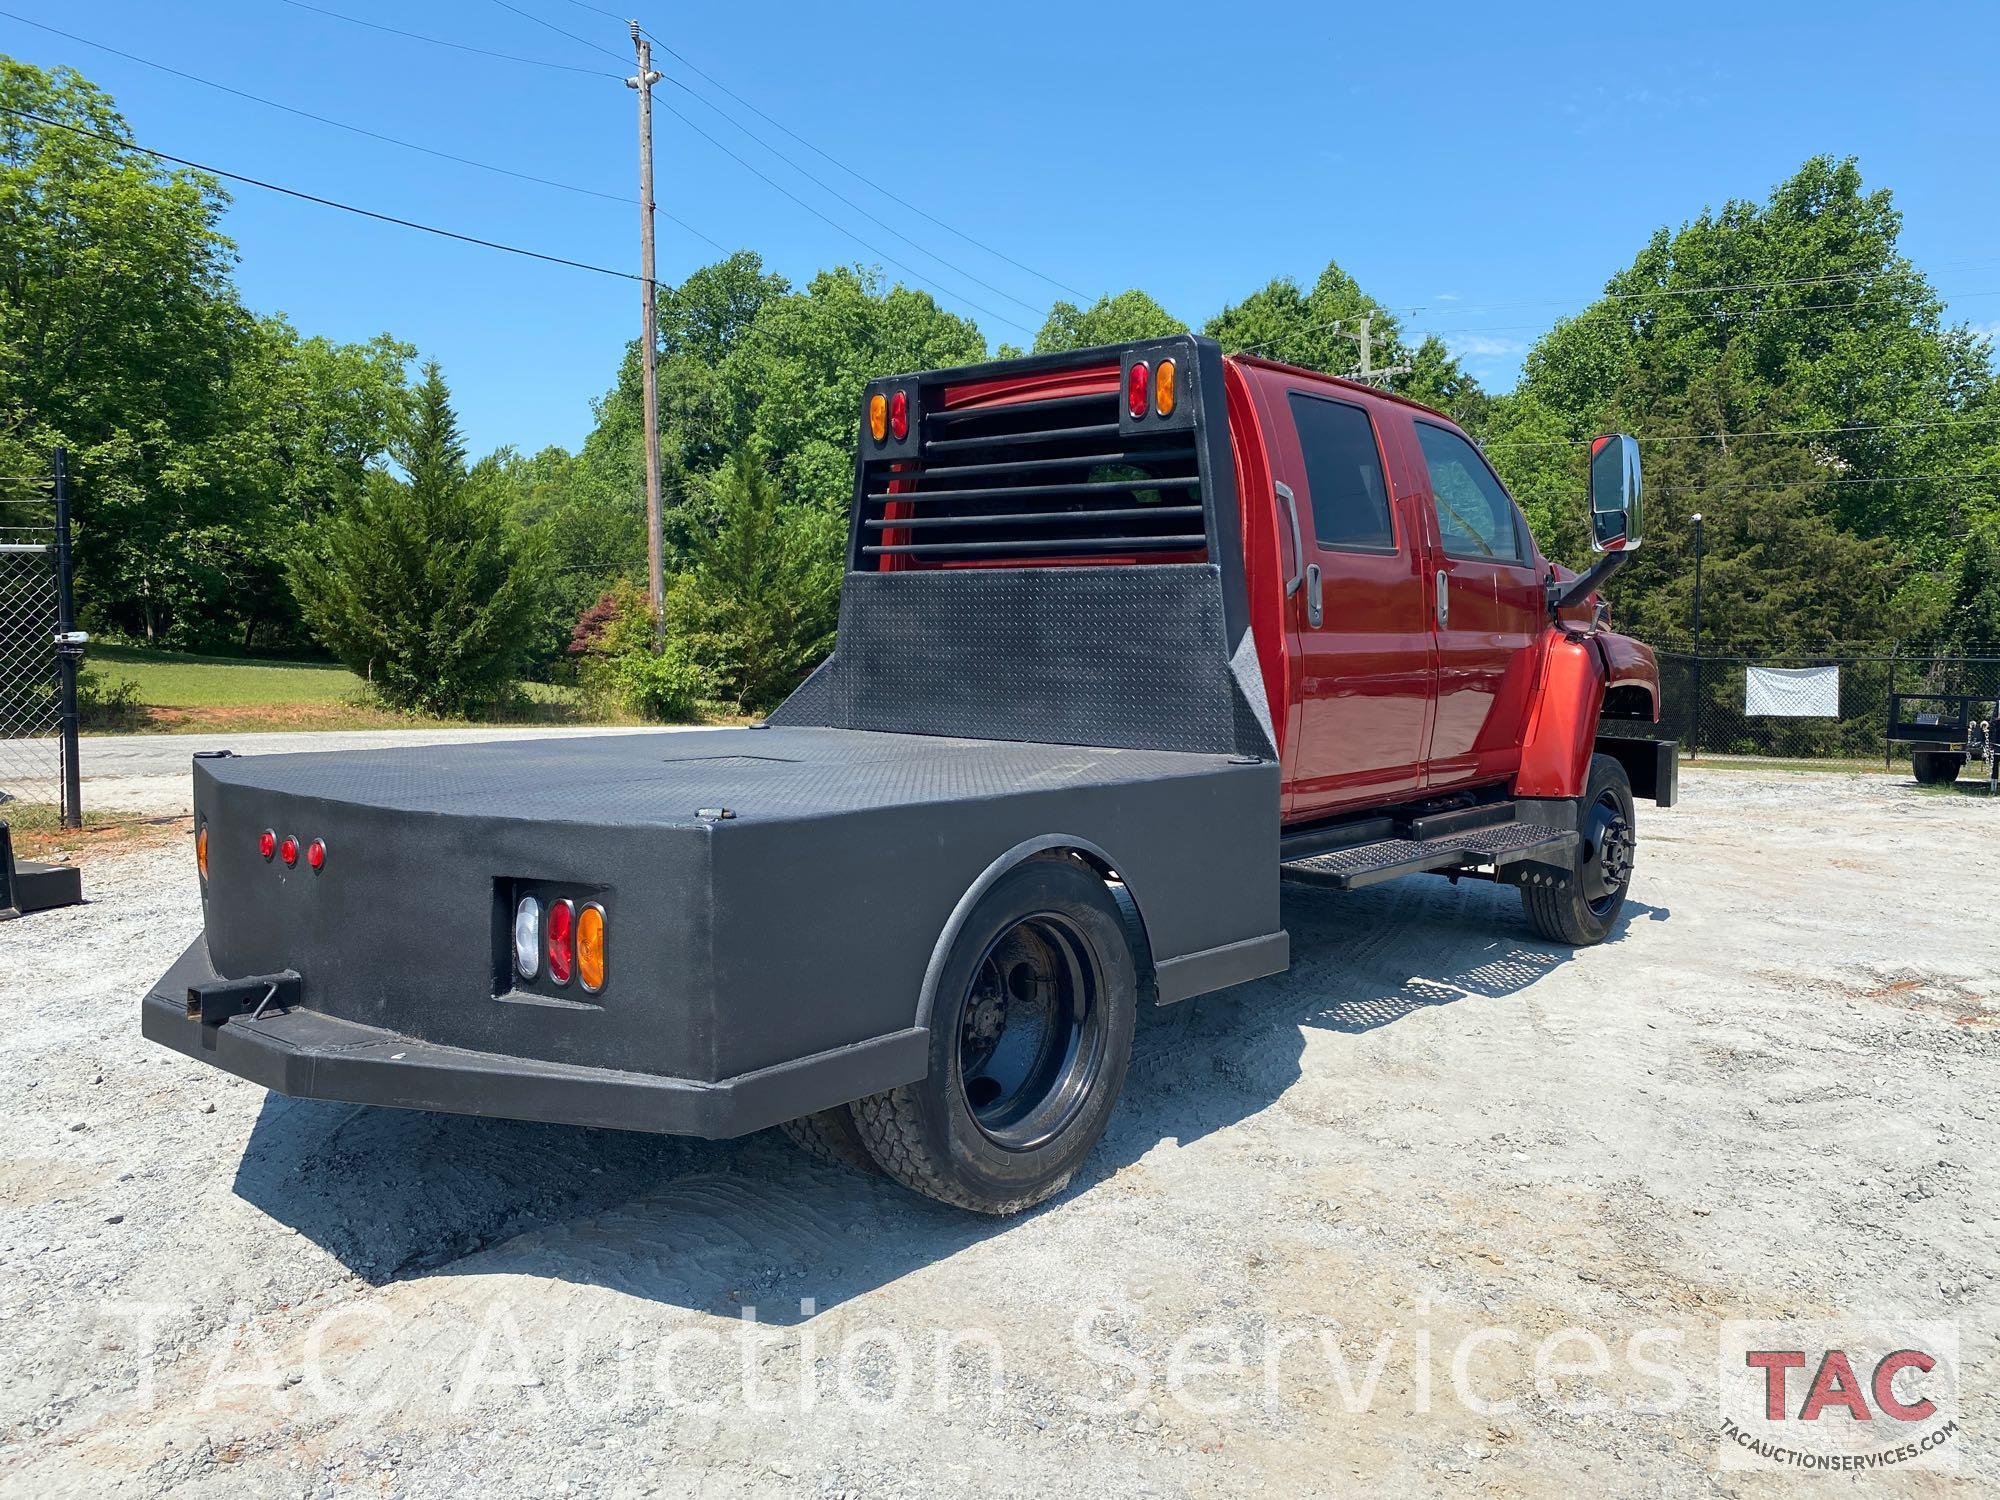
(1040, 462)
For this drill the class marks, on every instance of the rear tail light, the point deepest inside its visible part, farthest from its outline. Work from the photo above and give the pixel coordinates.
(288, 849)
(878, 416)
(528, 938)
(562, 935)
(1164, 384)
(899, 415)
(1137, 395)
(590, 947)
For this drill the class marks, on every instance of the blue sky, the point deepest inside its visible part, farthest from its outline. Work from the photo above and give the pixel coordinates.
(1485, 166)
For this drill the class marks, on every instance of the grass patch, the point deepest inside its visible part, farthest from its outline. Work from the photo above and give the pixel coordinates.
(170, 679)
(37, 832)
(180, 693)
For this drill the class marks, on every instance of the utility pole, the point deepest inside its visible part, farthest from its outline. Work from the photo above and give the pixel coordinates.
(656, 569)
(1694, 721)
(1369, 371)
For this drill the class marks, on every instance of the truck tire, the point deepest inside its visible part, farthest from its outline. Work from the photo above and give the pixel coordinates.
(1935, 767)
(830, 1136)
(1581, 910)
(1030, 1035)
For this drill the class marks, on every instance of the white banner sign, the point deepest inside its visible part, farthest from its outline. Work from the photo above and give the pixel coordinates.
(1792, 692)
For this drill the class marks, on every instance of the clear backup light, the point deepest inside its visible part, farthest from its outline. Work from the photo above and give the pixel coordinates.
(528, 938)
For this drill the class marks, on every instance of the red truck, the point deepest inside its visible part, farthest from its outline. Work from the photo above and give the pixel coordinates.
(1127, 636)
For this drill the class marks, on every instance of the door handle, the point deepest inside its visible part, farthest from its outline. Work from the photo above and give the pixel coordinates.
(1443, 599)
(1298, 548)
(1313, 611)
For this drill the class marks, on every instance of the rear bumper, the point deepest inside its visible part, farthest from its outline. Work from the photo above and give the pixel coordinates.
(308, 1055)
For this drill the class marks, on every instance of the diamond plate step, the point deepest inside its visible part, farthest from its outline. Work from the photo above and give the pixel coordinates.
(1388, 859)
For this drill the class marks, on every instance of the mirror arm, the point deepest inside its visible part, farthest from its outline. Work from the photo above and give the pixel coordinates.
(1562, 595)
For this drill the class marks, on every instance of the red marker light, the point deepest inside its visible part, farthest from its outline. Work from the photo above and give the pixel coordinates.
(316, 855)
(899, 415)
(288, 850)
(1137, 396)
(267, 844)
(562, 948)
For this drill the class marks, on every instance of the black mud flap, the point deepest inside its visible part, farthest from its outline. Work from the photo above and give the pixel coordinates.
(1652, 766)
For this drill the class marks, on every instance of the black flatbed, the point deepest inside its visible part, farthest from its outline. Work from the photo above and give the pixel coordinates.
(665, 779)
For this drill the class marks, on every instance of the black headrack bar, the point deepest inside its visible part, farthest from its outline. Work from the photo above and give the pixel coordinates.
(1059, 545)
(1040, 517)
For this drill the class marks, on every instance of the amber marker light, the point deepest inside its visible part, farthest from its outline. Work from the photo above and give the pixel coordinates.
(1164, 388)
(201, 850)
(590, 947)
(878, 416)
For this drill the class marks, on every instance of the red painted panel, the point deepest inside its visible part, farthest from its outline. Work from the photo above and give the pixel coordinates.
(1562, 721)
(1359, 684)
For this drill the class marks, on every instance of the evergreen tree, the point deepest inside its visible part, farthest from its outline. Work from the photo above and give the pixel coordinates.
(422, 585)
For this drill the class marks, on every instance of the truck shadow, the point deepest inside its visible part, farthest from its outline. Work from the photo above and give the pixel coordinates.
(719, 1226)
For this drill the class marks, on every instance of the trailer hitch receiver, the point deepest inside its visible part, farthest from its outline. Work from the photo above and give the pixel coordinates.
(223, 1000)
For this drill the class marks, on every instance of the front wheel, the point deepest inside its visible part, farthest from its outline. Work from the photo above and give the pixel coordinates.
(1580, 911)
(1031, 1032)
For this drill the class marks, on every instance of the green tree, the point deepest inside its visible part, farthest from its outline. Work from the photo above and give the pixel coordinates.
(758, 603)
(1108, 320)
(1812, 311)
(200, 437)
(1321, 330)
(422, 585)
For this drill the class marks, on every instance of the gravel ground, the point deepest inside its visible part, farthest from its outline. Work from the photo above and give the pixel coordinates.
(1772, 1095)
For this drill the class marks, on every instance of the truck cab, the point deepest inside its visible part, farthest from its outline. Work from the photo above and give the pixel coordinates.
(1128, 636)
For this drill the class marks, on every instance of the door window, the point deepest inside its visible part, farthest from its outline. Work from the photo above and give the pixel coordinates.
(1475, 518)
(1350, 500)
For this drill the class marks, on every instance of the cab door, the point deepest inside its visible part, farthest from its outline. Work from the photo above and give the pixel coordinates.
(1488, 609)
(1357, 615)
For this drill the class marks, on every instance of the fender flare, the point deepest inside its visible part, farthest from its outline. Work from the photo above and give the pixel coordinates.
(1562, 724)
(1027, 849)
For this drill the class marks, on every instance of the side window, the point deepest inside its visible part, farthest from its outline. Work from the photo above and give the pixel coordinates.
(1475, 517)
(1350, 500)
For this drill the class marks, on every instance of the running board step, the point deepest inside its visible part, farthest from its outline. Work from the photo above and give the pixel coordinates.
(1389, 859)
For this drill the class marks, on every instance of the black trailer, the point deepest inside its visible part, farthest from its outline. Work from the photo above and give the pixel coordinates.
(1014, 804)
(1944, 731)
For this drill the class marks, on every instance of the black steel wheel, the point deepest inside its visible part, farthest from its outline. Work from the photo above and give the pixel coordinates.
(1581, 911)
(1031, 1033)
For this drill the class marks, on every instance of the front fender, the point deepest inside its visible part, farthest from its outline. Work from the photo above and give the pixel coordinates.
(1562, 723)
(1631, 677)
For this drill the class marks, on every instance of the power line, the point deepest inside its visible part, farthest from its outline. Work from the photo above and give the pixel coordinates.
(720, 87)
(1809, 481)
(1773, 432)
(1611, 315)
(834, 223)
(528, 15)
(361, 130)
(832, 191)
(366, 213)
(437, 41)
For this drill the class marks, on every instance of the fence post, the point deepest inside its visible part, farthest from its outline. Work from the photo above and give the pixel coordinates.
(68, 650)
(1889, 722)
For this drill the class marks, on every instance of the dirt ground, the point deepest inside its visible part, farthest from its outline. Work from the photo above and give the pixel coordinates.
(1425, 1153)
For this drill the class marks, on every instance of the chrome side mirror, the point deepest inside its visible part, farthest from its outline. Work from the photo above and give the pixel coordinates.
(1615, 493)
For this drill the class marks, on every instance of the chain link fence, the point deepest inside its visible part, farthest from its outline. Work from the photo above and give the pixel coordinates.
(1830, 704)
(37, 665)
